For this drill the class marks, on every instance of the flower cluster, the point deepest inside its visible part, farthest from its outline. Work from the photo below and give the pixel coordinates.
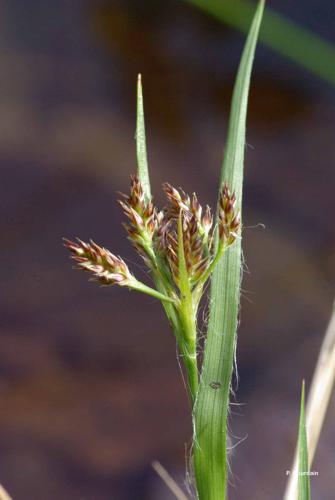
(105, 266)
(143, 217)
(196, 231)
(229, 219)
(181, 230)
(180, 245)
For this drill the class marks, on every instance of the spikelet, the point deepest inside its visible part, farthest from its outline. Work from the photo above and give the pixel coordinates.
(196, 230)
(143, 217)
(180, 201)
(141, 213)
(155, 236)
(229, 218)
(106, 267)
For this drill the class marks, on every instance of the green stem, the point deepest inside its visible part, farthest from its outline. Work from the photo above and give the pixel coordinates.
(204, 277)
(185, 333)
(158, 268)
(141, 287)
(169, 308)
(187, 314)
(181, 328)
(189, 355)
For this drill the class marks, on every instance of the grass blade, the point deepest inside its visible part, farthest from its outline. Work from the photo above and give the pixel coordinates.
(303, 479)
(211, 409)
(141, 148)
(143, 174)
(281, 34)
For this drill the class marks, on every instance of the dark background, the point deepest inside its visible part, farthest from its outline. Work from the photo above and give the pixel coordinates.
(90, 388)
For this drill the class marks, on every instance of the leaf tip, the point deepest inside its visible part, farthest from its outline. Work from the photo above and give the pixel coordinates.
(303, 390)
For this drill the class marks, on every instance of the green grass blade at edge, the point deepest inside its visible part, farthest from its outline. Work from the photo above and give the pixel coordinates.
(211, 409)
(279, 33)
(141, 148)
(303, 478)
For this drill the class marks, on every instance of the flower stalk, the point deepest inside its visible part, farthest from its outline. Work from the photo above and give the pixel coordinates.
(183, 249)
(107, 268)
(176, 244)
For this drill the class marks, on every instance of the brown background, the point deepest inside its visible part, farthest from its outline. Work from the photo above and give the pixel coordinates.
(90, 388)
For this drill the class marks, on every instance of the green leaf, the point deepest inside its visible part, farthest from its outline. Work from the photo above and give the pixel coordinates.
(187, 329)
(211, 408)
(281, 34)
(141, 148)
(303, 478)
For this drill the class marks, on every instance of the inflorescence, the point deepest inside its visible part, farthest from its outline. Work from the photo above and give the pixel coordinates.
(154, 235)
(181, 247)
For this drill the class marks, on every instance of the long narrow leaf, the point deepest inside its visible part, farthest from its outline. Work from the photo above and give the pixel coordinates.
(211, 409)
(281, 34)
(303, 479)
(143, 174)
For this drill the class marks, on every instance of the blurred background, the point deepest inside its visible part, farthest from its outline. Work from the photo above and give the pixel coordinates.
(90, 388)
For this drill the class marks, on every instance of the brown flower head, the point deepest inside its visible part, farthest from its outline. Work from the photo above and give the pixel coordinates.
(229, 218)
(105, 266)
(155, 235)
(143, 217)
(180, 201)
(195, 229)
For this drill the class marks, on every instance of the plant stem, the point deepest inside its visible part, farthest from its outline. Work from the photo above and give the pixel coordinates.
(189, 355)
(188, 317)
(141, 287)
(169, 481)
(184, 329)
(202, 280)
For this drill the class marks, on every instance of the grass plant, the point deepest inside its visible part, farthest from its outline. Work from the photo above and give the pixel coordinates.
(184, 246)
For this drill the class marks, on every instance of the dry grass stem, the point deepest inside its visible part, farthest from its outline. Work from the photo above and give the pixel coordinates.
(317, 403)
(3, 494)
(168, 480)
